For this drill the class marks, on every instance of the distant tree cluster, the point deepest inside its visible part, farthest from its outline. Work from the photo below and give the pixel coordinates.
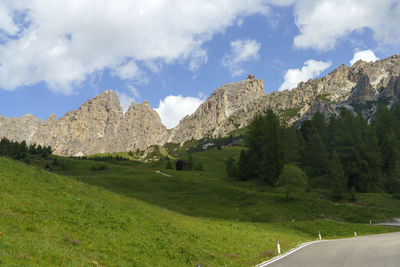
(109, 158)
(20, 150)
(344, 154)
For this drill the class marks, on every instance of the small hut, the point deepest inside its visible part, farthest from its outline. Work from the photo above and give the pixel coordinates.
(180, 165)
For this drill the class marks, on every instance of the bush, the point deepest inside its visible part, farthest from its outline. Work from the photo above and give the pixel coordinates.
(169, 165)
(198, 167)
(231, 167)
(292, 180)
(352, 196)
(100, 167)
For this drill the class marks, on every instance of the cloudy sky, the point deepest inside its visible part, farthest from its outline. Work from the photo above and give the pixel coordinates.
(56, 54)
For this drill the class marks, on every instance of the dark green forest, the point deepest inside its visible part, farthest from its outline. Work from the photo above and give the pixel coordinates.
(343, 154)
(21, 151)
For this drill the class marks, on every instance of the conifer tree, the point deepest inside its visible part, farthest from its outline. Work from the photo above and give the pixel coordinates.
(337, 177)
(231, 168)
(169, 165)
(245, 171)
(266, 147)
(189, 163)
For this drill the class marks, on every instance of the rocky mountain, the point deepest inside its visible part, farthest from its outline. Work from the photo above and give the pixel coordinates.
(213, 117)
(19, 129)
(99, 125)
(140, 128)
(343, 87)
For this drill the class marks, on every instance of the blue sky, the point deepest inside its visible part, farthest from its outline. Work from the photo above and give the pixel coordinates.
(54, 55)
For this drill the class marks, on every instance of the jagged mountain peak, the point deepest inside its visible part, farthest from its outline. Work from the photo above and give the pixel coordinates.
(210, 118)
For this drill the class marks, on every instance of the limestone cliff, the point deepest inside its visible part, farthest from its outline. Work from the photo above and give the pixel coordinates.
(234, 105)
(213, 117)
(87, 130)
(99, 126)
(19, 129)
(140, 128)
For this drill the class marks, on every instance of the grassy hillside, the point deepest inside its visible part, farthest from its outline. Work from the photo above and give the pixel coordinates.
(210, 193)
(47, 219)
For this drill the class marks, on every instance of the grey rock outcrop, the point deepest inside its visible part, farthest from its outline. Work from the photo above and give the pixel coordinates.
(363, 91)
(97, 126)
(140, 128)
(19, 129)
(87, 130)
(213, 118)
(392, 89)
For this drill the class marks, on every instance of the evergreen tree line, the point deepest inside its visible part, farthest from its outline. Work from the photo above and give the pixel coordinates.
(345, 153)
(20, 150)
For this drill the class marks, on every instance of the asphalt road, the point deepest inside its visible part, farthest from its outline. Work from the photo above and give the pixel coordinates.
(376, 250)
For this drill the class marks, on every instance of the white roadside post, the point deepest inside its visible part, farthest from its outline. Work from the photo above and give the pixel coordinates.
(370, 221)
(355, 234)
(279, 247)
(319, 235)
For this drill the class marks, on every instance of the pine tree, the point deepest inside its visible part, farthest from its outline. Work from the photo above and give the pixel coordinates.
(314, 155)
(189, 163)
(337, 177)
(245, 170)
(231, 168)
(266, 147)
(169, 165)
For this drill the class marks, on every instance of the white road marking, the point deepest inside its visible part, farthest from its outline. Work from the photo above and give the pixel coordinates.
(268, 262)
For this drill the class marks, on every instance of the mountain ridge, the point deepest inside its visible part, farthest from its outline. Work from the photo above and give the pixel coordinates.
(100, 126)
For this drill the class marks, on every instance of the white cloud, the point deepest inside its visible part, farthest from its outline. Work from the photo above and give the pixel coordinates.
(63, 42)
(365, 55)
(6, 19)
(311, 69)
(128, 71)
(173, 108)
(322, 24)
(241, 51)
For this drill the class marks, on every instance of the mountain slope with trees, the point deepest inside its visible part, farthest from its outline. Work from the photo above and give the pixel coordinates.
(342, 153)
(99, 125)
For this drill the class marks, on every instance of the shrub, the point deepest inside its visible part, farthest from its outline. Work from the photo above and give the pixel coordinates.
(198, 167)
(169, 165)
(100, 167)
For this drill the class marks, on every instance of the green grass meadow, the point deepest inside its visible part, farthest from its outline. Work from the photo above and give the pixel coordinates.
(127, 214)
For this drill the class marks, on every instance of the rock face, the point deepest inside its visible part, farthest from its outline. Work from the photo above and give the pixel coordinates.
(140, 128)
(213, 117)
(363, 92)
(87, 130)
(392, 89)
(342, 87)
(19, 129)
(99, 125)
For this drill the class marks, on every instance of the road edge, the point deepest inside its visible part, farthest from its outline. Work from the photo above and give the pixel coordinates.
(268, 262)
(303, 245)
